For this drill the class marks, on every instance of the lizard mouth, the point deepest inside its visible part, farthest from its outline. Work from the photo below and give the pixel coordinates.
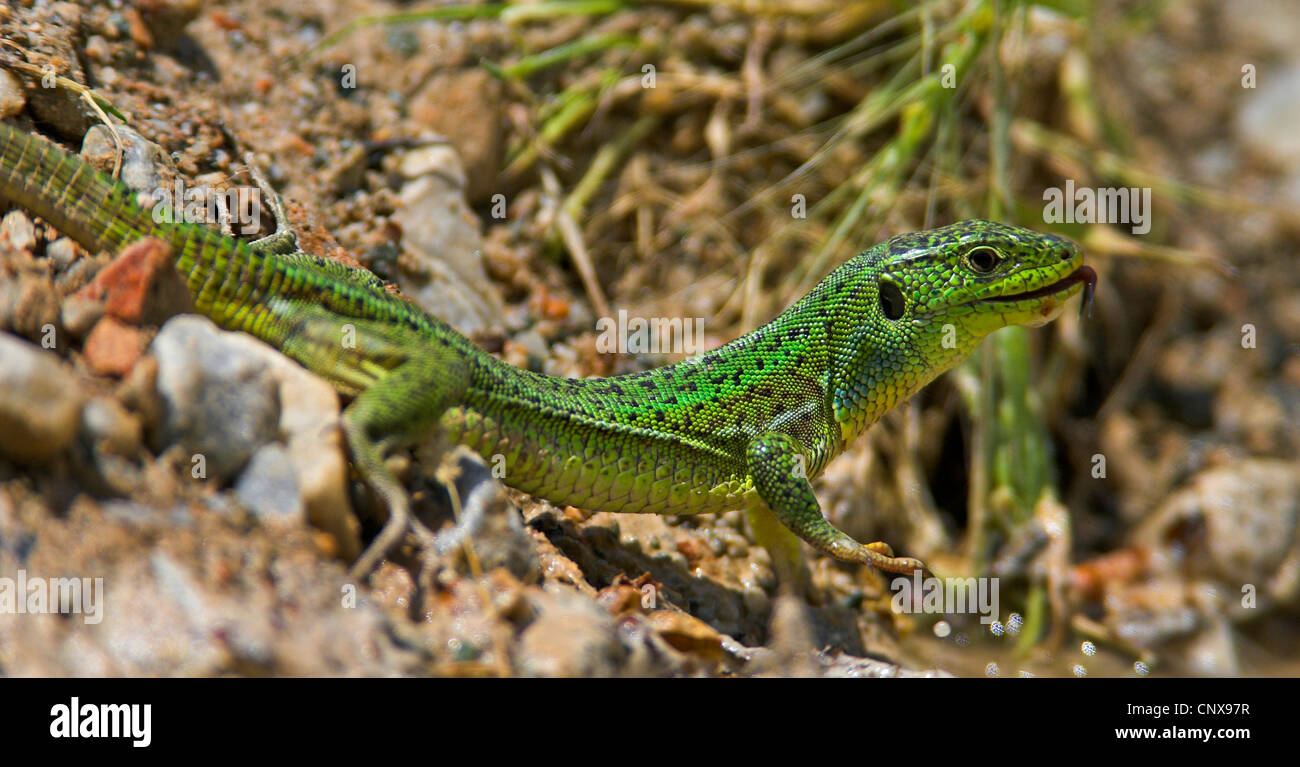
(1084, 275)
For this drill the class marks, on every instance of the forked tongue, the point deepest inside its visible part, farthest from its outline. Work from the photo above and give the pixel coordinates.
(1089, 278)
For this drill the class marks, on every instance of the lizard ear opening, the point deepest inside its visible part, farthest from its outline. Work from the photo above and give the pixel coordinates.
(892, 303)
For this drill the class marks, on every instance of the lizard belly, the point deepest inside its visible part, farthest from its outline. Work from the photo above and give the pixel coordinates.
(598, 469)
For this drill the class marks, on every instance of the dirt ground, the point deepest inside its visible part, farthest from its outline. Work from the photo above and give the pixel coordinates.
(523, 198)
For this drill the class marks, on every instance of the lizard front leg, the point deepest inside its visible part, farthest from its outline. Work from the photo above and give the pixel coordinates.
(776, 461)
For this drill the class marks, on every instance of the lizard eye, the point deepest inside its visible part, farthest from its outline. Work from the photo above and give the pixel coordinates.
(892, 303)
(983, 259)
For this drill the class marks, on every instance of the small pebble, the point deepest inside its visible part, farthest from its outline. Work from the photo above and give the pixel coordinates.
(40, 411)
(18, 230)
(12, 96)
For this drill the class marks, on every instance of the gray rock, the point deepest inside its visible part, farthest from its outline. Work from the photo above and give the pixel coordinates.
(1249, 512)
(442, 243)
(220, 399)
(312, 429)
(40, 402)
(232, 394)
(268, 487)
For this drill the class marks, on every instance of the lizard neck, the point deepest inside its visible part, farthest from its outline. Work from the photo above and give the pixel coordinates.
(882, 373)
(876, 363)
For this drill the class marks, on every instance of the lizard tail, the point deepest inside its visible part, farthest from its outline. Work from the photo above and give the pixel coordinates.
(88, 206)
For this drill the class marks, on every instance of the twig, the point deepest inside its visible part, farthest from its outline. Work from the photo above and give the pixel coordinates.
(571, 234)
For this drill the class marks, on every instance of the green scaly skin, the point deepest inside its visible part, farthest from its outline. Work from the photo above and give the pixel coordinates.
(743, 426)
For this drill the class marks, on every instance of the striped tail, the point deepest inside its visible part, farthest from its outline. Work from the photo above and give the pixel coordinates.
(230, 282)
(88, 206)
(226, 279)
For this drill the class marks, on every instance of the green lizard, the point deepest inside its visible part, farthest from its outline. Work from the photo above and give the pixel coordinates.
(745, 426)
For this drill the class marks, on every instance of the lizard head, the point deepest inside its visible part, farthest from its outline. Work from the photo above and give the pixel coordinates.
(921, 302)
(979, 276)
